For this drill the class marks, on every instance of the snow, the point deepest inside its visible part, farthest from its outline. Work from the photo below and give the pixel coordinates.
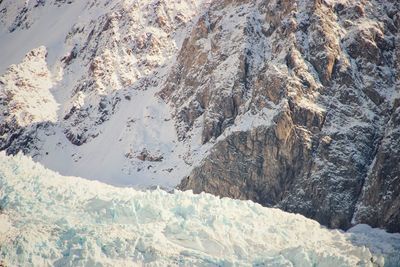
(49, 28)
(122, 69)
(141, 124)
(52, 220)
(249, 121)
(29, 84)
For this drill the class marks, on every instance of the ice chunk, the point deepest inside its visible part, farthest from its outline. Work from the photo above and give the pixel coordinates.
(49, 219)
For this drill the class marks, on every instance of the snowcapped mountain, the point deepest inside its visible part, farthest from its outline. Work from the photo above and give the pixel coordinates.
(82, 100)
(51, 220)
(291, 104)
(323, 75)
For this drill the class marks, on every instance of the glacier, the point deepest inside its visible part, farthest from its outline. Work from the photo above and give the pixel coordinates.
(51, 220)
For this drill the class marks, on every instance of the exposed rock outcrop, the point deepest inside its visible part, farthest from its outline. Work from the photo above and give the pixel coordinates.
(379, 203)
(332, 66)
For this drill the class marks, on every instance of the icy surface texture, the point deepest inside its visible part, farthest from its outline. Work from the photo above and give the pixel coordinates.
(51, 220)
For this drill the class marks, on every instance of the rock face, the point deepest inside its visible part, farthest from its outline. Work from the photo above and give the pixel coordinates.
(292, 104)
(380, 200)
(329, 69)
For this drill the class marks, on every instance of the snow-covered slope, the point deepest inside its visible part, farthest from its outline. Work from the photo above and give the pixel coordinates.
(51, 220)
(78, 84)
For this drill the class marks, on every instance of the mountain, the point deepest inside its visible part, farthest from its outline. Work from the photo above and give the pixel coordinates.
(78, 222)
(324, 76)
(98, 65)
(291, 104)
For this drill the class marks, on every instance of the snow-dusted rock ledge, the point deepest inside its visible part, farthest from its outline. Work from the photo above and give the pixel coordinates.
(50, 220)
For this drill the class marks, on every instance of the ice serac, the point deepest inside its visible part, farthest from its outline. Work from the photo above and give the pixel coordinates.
(52, 220)
(328, 71)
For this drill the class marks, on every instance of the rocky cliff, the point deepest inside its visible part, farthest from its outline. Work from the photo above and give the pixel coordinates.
(292, 104)
(328, 70)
